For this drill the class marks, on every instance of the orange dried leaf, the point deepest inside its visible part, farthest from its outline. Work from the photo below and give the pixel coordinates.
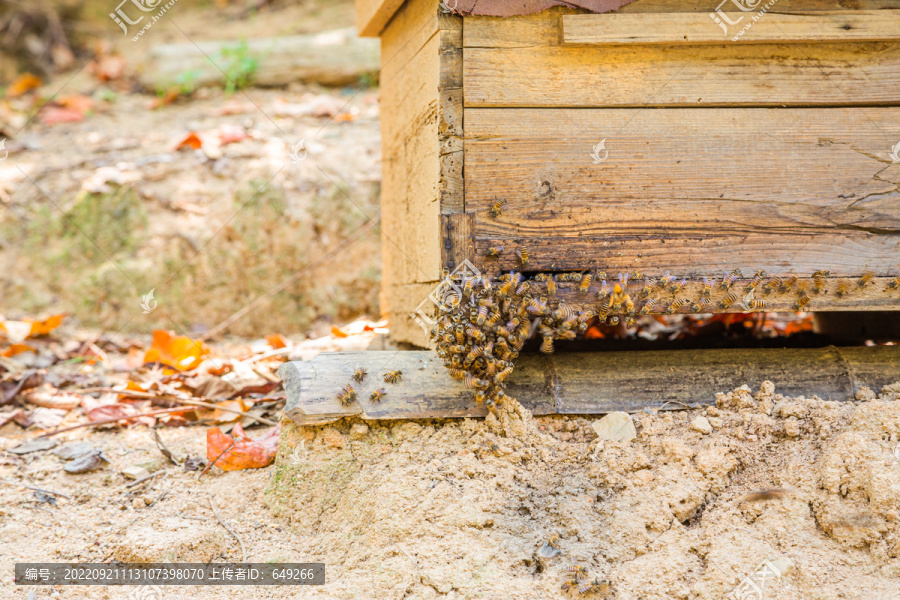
(277, 341)
(239, 452)
(179, 352)
(17, 349)
(46, 326)
(23, 84)
(191, 141)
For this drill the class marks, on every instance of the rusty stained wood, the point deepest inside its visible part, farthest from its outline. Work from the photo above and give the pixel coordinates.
(699, 28)
(457, 233)
(694, 191)
(581, 383)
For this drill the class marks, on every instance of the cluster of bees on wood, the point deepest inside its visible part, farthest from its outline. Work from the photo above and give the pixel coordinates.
(483, 324)
(348, 394)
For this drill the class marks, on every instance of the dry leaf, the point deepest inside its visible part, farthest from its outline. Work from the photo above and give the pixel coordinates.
(46, 326)
(17, 349)
(108, 67)
(23, 84)
(49, 396)
(69, 109)
(240, 452)
(179, 352)
(277, 341)
(191, 141)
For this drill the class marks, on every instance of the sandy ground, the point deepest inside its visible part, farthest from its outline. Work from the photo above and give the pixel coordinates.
(464, 509)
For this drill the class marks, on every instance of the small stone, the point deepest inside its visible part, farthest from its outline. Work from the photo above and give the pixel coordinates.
(865, 395)
(792, 427)
(616, 427)
(72, 450)
(358, 431)
(138, 503)
(135, 472)
(332, 437)
(702, 425)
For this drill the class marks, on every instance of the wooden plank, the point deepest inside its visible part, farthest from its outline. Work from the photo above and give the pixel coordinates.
(543, 29)
(697, 28)
(694, 191)
(727, 75)
(411, 166)
(589, 383)
(450, 124)
(373, 15)
(458, 239)
(399, 303)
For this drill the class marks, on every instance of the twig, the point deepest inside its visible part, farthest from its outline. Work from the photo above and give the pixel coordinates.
(36, 489)
(227, 528)
(209, 466)
(136, 394)
(143, 479)
(116, 420)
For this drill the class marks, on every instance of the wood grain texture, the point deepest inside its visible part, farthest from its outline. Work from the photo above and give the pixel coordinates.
(450, 125)
(458, 232)
(725, 75)
(589, 383)
(373, 15)
(401, 302)
(699, 28)
(691, 190)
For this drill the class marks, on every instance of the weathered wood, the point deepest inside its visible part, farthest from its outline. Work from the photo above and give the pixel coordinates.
(519, 61)
(698, 28)
(400, 303)
(450, 125)
(727, 75)
(335, 57)
(589, 383)
(373, 15)
(458, 239)
(694, 191)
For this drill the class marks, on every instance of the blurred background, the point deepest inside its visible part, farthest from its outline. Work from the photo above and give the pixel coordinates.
(226, 158)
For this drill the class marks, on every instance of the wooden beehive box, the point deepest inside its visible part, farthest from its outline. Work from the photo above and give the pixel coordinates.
(643, 140)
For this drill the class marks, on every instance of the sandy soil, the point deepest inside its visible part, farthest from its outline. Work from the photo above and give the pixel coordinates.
(464, 509)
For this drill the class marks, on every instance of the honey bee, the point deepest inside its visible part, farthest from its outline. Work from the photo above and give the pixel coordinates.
(547, 344)
(613, 320)
(523, 289)
(377, 395)
(628, 304)
(482, 315)
(865, 279)
(893, 284)
(772, 285)
(502, 375)
(551, 285)
(596, 586)
(707, 288)
(393, 376)
(677, 286)
(347, 395)
(570, 277)
(819, 281)
(637, 275)
(458, 374)
(843, 288)
(496, 206)
(474, 333)
(648, 287)
(522, 253)
(822, 273)
(494, 251)
(801, 302)
(474, 382)
(788, 284)
(630, 321)
(727, 301)
(553, 541)
(698, 306)
(604, 290)
(676, 305)
(728, 280)
(757, 278)
(571, 583)
(585, 283)
(359, 374)
(648, 306)
(756, 305)
(578, 570)
(602, 275)
(665, 280)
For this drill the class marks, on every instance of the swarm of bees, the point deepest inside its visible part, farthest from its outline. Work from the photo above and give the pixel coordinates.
(348, 394)
(484, 323)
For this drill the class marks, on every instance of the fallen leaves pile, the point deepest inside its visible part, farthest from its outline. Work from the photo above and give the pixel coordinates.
(48, 385)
